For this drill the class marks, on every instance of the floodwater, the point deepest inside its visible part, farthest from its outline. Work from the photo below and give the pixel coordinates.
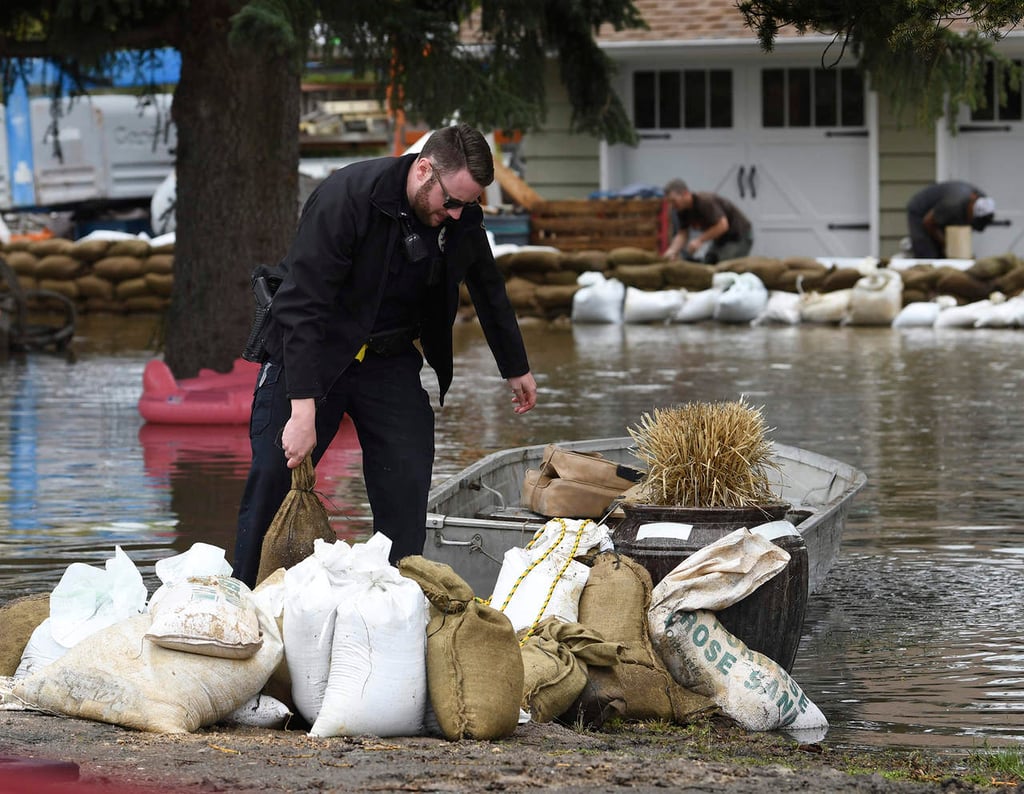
(916, 640)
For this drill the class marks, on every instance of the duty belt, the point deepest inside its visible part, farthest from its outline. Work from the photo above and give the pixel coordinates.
(389, 343)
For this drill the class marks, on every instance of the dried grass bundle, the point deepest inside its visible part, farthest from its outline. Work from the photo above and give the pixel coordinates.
(705, 455)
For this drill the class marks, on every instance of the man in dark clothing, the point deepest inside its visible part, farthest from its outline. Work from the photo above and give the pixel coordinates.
(719, 220)
(943, 204)
(381, 249)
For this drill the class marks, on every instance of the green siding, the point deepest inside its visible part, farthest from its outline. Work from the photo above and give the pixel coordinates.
(560, 164)
(906, 163)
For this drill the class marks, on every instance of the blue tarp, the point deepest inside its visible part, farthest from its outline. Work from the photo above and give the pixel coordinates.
(163, 68)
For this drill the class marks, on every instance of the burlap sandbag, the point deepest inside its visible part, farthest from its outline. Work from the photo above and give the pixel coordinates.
(1010, 283)
(118, 268)
(474, 667)
(90, 250)
(556, 659)
(68, 289)
(299, 521)
(131, 288)
(91, 286)
(18, 619)
(21, 262)
(129, 247)
(58, 266)
(52, 245)
(641, 679)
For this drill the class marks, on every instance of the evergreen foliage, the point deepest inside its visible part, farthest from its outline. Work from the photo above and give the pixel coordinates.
(924, 56)
(415, 49)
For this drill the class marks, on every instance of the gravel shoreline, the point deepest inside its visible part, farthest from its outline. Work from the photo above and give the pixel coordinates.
(711, 755)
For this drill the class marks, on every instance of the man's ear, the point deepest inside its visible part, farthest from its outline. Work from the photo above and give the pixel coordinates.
(423, 169)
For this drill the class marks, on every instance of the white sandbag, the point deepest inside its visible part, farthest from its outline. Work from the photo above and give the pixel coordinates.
(85, 600)
(876, 299)
(722, 573)
(543, 580)
(201, 559)
(211, 615)
(599, 301)
(698, 306)
(963, 316)
(1008, 314)
(378, 676)
(656, 306)
(782, 308)
(724, 279)
(115, 675)
(528, 590)
(824, 307)
(918, 314)
(742, 301)
(261, 711)
(748, 686)
(311, 592)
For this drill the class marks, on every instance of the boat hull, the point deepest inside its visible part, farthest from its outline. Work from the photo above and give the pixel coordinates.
(475, 517)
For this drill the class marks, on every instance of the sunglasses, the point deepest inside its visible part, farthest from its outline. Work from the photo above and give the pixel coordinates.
(450, 203)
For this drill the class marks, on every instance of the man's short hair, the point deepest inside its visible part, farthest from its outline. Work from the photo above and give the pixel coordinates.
(676, 186)
(461, 146)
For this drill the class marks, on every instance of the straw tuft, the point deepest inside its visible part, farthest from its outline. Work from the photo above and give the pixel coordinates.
(705, 455)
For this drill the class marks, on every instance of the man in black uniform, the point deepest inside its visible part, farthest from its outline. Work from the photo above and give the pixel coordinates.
(381, 249)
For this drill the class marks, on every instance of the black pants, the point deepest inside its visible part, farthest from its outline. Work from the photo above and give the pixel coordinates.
(395, 425)
(922, 244)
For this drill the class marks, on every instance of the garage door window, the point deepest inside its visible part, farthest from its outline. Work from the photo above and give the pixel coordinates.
(812, 98)
(675, 99)
(994, 109)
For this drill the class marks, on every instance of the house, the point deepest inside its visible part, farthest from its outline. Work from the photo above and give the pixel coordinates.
(817, 160)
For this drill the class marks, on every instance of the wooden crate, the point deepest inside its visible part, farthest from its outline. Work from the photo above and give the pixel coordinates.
(597, 224)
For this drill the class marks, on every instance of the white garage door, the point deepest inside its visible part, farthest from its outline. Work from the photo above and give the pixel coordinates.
(987, 151)
(789, 145)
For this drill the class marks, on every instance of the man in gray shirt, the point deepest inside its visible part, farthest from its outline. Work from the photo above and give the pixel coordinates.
(943, 204)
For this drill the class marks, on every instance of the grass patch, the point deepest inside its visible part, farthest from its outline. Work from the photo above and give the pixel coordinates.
(1004, 766)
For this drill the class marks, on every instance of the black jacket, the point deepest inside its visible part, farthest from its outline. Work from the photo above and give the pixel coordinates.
(335, 271)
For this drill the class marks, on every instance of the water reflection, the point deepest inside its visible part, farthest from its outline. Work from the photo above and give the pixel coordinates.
(915, 638)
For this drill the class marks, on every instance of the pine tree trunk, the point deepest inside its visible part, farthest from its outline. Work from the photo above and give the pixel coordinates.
(237, 117)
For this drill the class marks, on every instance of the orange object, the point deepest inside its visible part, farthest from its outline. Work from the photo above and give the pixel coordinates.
(44, 234)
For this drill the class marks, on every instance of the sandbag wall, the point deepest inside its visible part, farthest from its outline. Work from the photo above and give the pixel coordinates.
(542, 283)
(98, 275)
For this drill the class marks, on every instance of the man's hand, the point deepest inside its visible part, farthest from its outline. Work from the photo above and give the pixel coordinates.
(524, 392)
(299, 435)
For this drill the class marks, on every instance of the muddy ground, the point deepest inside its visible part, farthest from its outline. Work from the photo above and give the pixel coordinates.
(710, 755)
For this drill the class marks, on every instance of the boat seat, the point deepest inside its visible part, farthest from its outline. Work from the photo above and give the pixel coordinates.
(511, 514)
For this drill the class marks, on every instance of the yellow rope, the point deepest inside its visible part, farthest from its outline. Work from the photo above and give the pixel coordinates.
(540, 559)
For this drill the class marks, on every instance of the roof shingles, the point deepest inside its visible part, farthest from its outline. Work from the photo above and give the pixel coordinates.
(683, 20)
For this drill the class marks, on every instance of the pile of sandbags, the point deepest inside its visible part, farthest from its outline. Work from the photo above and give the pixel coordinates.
(545, 282)
(354, 646)
(97, 273)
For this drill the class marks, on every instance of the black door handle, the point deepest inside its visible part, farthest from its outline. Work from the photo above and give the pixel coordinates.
(739, 180)
(750, 181)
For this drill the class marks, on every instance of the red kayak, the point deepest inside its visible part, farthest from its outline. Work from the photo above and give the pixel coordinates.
(210, 398)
